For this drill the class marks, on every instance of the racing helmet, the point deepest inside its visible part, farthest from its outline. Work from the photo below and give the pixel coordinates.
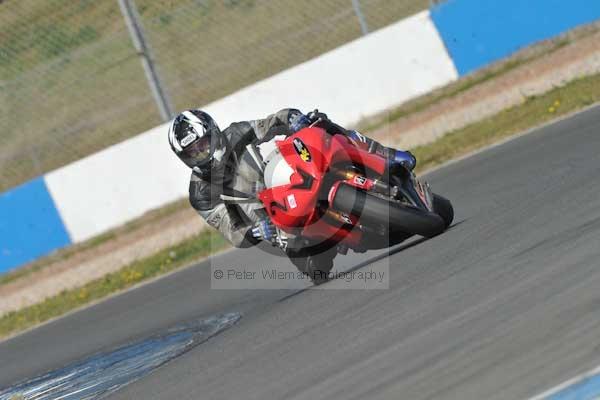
(197, 140)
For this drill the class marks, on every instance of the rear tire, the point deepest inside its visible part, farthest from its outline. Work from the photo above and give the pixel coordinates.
(314, 264)
(376, 211)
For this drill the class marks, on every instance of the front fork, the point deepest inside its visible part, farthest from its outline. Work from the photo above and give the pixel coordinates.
(360, 181)
(414, 192)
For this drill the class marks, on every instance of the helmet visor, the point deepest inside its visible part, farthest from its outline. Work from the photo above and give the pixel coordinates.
(198, 152)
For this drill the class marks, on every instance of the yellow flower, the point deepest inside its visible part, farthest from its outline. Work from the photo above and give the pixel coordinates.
(557, 103)
(551, 110)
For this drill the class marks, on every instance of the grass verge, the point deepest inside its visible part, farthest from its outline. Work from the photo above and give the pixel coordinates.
(534, 111)
(488, 73)
(190, 250)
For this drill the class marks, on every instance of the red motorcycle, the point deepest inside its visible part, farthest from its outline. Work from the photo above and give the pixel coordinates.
(335, 196)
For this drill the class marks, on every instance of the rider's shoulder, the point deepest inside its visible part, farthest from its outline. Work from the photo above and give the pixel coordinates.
(237, 126)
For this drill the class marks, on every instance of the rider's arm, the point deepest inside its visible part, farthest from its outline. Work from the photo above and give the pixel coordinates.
(291, 120)
(205, 198)
(288, 118)
(281, 119)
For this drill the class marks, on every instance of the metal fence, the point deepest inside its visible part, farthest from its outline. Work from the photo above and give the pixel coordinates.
(72, 81)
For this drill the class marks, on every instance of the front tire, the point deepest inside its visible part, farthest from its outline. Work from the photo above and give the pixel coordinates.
(444, 209)
(374, 211)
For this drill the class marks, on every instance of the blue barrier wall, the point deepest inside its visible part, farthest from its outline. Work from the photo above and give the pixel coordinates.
(478, 32)
(30, 225)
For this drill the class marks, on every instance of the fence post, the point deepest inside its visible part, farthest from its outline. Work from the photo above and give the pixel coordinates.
(134, 25)
(361, 18)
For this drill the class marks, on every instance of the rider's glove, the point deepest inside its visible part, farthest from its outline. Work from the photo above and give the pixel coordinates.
(315, 115)
(299, 121)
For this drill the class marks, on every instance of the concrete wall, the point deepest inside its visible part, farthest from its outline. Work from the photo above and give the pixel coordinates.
(366, 76)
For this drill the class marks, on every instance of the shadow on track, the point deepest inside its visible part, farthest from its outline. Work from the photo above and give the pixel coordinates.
(391, 251)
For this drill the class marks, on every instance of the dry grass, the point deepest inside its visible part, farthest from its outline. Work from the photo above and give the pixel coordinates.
(534, 111)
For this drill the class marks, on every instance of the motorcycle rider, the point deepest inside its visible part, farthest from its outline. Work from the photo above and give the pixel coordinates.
(222, 168)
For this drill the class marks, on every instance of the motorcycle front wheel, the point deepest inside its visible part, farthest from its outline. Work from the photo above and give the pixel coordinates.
(443, 208)
(376, 211)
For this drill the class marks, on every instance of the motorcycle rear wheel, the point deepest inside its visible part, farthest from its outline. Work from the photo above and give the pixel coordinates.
(316, 264)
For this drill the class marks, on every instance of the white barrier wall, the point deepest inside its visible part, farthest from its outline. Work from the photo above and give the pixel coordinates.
(117, 184)
(359, 79)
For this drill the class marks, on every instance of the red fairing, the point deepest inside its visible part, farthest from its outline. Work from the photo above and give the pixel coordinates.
(310, 153)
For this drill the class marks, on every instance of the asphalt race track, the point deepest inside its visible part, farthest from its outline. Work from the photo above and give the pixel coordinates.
(504, 305)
